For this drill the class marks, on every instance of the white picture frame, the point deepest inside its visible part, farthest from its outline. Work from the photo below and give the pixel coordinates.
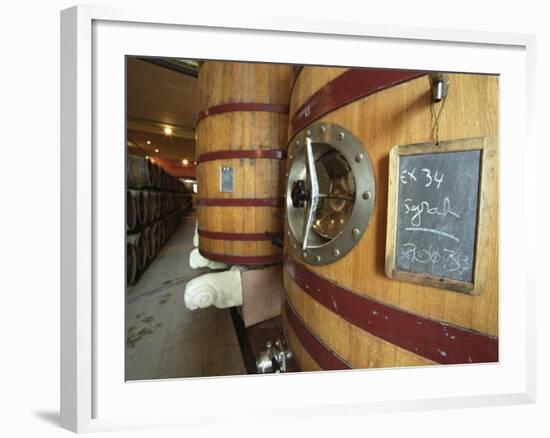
(94, 396)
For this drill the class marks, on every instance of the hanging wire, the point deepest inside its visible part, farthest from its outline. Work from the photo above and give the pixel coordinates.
(435, 118)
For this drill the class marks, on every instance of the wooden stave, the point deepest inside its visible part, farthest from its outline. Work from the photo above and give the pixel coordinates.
(316, 316)
(136, 241)
(131, 264)
(141, 208)
(147, 206)
(131, 211)
(149, 243)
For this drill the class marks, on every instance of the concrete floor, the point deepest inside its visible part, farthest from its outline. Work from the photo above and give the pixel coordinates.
(164, 338)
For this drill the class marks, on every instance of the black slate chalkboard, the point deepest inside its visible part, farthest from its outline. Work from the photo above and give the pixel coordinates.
(437, 211)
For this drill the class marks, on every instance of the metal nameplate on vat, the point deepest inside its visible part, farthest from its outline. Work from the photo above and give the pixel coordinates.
(226, 179)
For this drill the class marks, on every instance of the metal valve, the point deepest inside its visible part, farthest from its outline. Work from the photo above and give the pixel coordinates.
(299, 194)
(274, 358)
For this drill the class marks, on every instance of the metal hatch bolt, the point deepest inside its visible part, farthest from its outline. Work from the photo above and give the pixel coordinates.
(299, 194)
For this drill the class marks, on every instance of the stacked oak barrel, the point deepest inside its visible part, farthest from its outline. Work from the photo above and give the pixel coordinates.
(155, 205)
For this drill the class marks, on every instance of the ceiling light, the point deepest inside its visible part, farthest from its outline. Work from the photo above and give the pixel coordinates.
(168, 130)
(148, 141)
(157, 151)
(185, 162)
(146, 157)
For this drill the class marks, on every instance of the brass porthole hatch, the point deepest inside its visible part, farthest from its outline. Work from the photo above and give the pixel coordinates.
(330, 193)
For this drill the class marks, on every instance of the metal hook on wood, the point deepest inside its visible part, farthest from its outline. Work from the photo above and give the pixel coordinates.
(440, 89)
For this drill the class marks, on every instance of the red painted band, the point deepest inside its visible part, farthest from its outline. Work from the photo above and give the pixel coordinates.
(320, 352)
(434, 340)
(239, 236)
(275, 154)
(351, 85)
(243, 106)
(235, 202)
(244, 260)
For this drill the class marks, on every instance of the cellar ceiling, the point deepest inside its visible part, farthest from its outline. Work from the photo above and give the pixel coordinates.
(161, 94)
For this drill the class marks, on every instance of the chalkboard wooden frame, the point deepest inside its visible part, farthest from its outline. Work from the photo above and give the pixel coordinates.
(487, 164)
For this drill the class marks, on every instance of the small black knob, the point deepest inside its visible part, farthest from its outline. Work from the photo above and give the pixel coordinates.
(299, 194)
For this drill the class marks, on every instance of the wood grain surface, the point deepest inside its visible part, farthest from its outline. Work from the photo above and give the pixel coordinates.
(403, 115)
(254, 178)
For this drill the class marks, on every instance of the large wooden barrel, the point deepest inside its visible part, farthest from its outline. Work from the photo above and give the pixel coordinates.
(241, 152)
(348, 313)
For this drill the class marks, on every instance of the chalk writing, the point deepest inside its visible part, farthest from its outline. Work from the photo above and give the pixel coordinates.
(424, 207)
(448, 259)
(408, 176)
(431, 230)
(437, 214)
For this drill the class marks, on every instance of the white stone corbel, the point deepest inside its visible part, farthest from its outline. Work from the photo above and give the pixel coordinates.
(220, 289)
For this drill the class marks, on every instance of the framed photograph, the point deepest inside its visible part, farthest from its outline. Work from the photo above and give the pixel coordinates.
(209, 190)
